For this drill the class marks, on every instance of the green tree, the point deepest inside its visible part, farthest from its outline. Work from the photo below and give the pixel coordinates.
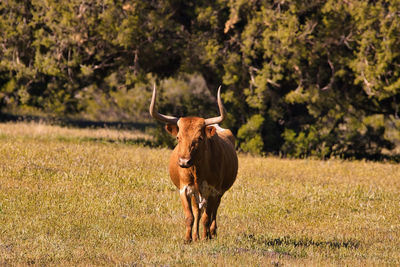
(300, 78)
(318, 69)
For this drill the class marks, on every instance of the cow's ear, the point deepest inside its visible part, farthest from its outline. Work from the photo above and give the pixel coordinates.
(210, 131)
(172, 129)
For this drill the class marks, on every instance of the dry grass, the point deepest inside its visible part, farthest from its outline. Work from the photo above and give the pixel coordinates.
(45, 132)
(67, 199)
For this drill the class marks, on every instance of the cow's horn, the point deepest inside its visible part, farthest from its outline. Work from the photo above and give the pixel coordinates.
(154, 113)
(220, 118)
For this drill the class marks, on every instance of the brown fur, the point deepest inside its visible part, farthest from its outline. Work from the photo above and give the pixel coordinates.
(213, 159)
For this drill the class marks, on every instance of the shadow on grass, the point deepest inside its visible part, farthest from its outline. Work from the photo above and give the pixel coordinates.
(143, 126)
(130, 141)
(77, 123)
(304, 242)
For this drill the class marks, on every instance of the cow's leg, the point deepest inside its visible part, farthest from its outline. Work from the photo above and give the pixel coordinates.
(188, 215)
(206, 218)
(196, 215)
(213, 227)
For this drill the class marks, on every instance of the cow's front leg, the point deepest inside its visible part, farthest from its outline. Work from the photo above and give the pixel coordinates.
(196, 214)
(188, 215)
(205, 219)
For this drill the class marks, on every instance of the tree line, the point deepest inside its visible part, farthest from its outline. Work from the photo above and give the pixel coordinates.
(299, 78)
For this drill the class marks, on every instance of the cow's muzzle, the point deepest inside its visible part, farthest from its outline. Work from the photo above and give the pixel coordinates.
(184, 162)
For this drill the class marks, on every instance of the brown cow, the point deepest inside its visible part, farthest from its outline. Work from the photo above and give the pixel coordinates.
(203, 166)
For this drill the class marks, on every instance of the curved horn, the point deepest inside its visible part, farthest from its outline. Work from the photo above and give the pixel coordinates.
(220, 118)
(154, 113)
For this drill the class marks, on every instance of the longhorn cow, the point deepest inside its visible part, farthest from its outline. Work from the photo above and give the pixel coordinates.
(203, 166)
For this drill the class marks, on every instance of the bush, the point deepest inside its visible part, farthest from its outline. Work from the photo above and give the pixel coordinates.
(250, 135)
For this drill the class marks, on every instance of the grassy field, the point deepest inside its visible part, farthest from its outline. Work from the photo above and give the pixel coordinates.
(90, 198)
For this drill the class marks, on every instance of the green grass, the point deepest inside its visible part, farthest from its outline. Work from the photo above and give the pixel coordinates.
(91, 197)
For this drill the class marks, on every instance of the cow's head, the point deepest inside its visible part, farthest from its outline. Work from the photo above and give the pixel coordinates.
(192, 133)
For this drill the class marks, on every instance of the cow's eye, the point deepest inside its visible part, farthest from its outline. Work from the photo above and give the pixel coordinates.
(177, 138)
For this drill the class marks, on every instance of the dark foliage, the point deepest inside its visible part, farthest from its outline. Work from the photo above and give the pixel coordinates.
(300, 78)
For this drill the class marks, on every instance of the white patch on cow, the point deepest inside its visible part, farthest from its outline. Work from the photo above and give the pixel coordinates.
(206, 191)
(188, 190)
(201, 201)
(183, 190)
(218, 128)
(177, 123)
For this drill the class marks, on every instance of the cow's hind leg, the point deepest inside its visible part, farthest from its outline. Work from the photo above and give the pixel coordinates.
(189, 219)
(207, 216)
(213, 227)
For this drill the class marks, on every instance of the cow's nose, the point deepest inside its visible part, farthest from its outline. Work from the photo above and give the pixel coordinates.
(184, 162)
